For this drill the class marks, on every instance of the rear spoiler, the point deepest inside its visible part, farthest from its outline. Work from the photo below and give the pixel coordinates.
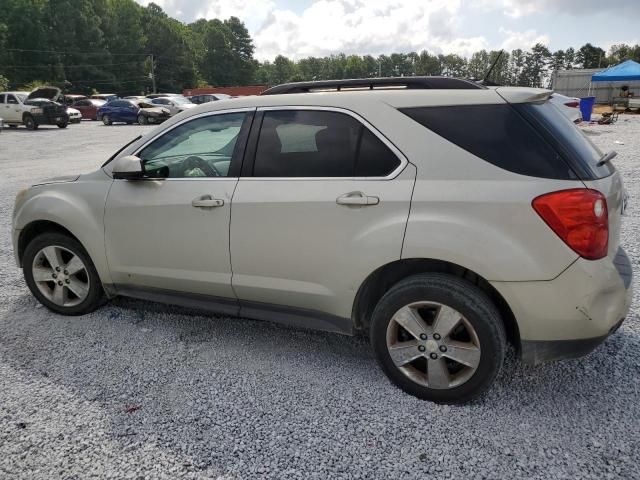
(524, 95)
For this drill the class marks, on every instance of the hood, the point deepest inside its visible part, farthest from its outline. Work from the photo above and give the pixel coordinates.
(184, 106)
(157, 110)
(50, 93)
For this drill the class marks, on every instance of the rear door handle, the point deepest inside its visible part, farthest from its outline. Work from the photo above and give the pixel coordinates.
(357, 198)
(207, 201)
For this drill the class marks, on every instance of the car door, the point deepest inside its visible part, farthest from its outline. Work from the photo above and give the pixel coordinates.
(323, 201)
(12, 112)
(170, 231)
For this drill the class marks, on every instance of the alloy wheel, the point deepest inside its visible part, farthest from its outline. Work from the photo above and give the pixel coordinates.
(61, 276)
(433, 345)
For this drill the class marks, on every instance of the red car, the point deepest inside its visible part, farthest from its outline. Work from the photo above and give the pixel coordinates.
(89, 107)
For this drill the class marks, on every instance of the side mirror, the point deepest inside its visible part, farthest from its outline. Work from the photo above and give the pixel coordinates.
(128, 167)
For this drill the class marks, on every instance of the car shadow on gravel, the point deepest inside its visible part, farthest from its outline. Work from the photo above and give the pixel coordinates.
(131, 326)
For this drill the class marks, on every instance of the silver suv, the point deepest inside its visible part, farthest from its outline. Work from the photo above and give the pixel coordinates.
(443, 218)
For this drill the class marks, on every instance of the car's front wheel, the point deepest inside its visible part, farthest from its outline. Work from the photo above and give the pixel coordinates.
(438, 337)
(60, 274)
(30, 122)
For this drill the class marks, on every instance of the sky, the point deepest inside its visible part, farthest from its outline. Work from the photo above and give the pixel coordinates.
(303, 28)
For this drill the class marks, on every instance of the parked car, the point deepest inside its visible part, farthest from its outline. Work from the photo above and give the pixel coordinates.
(132, 111)
(174, 104)
(135, 97)
(70, 98)
(569, 106)
(443, 220)
(158, 95)
(107, 97)
(89, 107)
(209, 97)
(33, 109)
(74, 115)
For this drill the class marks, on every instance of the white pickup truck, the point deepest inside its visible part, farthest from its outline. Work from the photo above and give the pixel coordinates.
(32, 109)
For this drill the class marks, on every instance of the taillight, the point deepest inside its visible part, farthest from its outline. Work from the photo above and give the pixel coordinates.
(579, 217)
(572, 104)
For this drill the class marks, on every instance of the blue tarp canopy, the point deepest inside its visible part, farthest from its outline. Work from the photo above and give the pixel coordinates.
(623, 72)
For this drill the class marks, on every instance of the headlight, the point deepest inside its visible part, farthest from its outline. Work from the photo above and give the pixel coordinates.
(36, 110)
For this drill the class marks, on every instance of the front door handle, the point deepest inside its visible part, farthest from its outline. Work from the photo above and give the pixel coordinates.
(357, 198)
(207, 201)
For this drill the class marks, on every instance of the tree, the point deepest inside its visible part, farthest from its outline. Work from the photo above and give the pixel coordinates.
(283, 70)
(591, 57)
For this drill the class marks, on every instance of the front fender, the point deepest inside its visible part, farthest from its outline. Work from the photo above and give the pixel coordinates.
(76, 206)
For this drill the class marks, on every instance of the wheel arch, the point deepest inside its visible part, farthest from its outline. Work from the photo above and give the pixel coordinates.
(383, 278)
(38, 227)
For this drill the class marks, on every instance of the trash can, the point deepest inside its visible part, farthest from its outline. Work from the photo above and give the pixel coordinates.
(586, 107)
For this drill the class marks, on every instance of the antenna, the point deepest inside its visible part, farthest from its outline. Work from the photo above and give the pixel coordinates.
(485, 80)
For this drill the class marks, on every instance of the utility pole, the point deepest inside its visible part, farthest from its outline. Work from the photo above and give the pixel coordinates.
(153, 74)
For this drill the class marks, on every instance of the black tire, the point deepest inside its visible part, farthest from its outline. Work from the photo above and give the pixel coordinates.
(95, 297)
(106, 119)
(468, 300)
(13, 126)
(142, 120)
(62, 125)
(29, 122)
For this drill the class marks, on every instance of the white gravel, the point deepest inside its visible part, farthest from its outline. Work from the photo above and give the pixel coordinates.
(139, 390)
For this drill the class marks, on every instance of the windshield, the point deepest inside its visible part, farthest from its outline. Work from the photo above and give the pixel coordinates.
(180, 100)
(21, 96)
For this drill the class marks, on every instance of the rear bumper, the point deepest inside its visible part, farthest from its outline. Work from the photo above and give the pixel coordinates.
(570, 315)
(534, 352)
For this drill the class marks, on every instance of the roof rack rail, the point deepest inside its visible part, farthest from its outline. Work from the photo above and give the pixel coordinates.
(417, 83)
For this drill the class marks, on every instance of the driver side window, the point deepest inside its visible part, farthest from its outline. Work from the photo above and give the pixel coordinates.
(200, 148)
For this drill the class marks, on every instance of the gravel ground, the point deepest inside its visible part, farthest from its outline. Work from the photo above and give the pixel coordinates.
(139, 390)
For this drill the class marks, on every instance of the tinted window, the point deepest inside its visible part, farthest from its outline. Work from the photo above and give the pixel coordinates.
(561, 132)
(497, 134)
(374, 157)
(1, 98)
(308, 143)
(11, 99)
(199, 148)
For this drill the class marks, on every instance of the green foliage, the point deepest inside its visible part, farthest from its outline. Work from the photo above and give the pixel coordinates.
(4, 83)
(108, 46)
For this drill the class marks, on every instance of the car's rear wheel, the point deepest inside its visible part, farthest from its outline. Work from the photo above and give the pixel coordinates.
(62, 125)
(142, 120)
(29, 122)
(439, 338)
(106, 119)
(60, 274)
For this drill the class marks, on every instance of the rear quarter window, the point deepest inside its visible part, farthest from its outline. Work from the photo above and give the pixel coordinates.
(498, 134)
(581, 154)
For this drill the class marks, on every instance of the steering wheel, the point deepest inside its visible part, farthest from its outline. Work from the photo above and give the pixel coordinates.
(193, 161)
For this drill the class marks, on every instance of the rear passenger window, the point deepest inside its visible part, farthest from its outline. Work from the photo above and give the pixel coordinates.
(309, 143)
(497, 134)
